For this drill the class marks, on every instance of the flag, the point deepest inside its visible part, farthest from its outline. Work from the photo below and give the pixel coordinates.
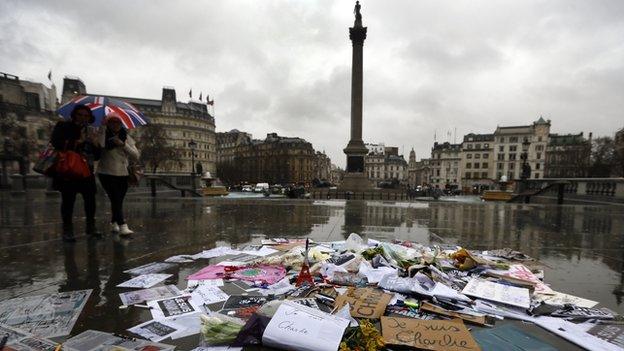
(191, 93)
(200, 96)
(50, 75)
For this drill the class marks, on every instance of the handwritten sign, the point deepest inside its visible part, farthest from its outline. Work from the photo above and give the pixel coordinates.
(427, 334)
(506, 294)
(301, 328)
(364, 302)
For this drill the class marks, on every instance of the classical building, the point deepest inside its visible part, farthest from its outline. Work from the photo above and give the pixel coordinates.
(567, 156)
(336, 174)
(477, 162)
(274, 160)
(26, 121)
(384, 163)
(510, 144)
(445, 165)
(190, 128)
(322, 166)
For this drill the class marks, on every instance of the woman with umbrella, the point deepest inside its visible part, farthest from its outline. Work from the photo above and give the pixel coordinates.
(113, 167)
(98, 108)
(74, 136)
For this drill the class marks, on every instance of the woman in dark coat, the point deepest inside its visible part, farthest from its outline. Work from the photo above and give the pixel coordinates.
(75, 136)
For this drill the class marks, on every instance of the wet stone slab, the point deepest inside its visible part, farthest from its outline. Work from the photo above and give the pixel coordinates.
(581, 247)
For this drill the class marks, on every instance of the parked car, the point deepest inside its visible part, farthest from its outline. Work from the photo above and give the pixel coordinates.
(247, 188)
(261, 187)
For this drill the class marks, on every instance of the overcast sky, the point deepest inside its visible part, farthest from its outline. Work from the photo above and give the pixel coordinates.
(430, 67)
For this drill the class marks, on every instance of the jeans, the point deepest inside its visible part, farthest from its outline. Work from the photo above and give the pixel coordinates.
(69, 190)
(116, 188)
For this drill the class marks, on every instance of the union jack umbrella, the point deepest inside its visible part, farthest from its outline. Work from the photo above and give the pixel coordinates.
(100, 106)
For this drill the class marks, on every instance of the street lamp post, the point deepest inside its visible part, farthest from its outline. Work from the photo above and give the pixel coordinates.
(526, 168)
(193, 145)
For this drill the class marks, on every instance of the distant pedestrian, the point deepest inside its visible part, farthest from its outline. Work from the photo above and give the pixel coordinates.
(74, 135)
(118, 148)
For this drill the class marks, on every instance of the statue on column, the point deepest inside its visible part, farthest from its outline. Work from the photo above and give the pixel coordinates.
(358, 15)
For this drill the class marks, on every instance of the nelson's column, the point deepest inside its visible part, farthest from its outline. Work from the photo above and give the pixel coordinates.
(355, 179)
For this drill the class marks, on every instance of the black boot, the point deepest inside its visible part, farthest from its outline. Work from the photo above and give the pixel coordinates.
(91, 230)
(68, 233)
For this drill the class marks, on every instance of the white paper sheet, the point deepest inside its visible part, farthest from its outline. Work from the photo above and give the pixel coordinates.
(191, 324)
(216, 252)
(300, 328)
(173, 307)
(208, 295)
(180, 259)
(144, 281)
(574, 333)
(204, 282)
(144, 295)
(263, 251)
(156, 330)
(231, 263)
(154, 267)
(374, 275)
(279, 288)
(506, 294)
(562, 299)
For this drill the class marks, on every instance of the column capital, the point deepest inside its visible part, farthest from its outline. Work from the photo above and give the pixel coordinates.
(357, 35)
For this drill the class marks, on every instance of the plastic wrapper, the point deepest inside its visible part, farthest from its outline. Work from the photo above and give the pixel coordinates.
(355, 243)
(218, 329)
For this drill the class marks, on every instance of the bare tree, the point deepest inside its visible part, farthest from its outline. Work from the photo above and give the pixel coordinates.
(603, 158)
(156, 151)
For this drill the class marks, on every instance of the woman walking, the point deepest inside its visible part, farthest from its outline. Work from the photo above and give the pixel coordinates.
(112, 169)
(74, 135)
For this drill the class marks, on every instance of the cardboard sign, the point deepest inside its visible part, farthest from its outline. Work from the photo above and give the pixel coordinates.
(364, 302)
(428, 335)
(428, 307)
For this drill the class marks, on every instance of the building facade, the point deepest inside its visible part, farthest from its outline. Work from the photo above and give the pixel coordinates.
(274, 160)
(445, 166)
(27, 117)
(189, 127)
(477, 162)
(509, 146)
(567, 156)
(385, 164)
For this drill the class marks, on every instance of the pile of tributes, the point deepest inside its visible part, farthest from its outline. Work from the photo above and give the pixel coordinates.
(354, 295)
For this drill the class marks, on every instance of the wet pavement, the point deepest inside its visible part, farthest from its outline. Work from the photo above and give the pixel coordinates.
(581, 247)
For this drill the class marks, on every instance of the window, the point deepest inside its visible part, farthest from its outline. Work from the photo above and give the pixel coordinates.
(539, 156)
(485, 146)
(438, 172)
(537, 166)
(476, 165)
(469, 156)
(469, 146)
(510, 176)
(539, 139)
(501, 157)
(502, 139)
(477, 146)
(513, 148)
(484, 175)
(486, 155)
(513, 139)
(477, 155)
(536, 175)
(467, 175)
(512, 166)
(469, 165)
(501, 148)
(484, 165)
(500, 166)
(512, 157)
(539, 147)
(499, 175)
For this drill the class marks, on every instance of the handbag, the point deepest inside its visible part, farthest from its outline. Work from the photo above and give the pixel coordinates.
(46, 161)
(135, 174)
(72, 165)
